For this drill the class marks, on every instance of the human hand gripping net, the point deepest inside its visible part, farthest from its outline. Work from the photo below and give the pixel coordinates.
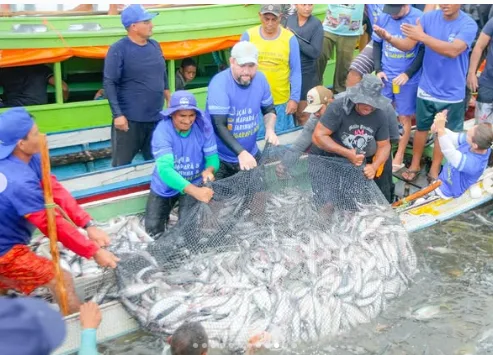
(297, 256)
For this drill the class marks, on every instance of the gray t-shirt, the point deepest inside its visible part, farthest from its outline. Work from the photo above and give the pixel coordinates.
(352, 130)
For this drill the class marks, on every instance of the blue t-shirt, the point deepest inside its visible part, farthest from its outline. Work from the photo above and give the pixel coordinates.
(189, 153)
(373, 12)
(135, 79)
(486, 77)
(243, 105)
(20, 194)
(395, 61)
(344, 20)
(442, 77)
(456, 181)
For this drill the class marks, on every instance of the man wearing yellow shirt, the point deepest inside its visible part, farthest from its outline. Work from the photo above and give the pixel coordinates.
(279, 61)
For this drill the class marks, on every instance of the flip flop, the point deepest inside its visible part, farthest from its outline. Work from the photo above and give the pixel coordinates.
(415, 172)
(431, 179)
(397, 167)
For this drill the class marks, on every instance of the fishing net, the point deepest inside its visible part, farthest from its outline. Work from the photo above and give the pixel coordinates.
(298, 249)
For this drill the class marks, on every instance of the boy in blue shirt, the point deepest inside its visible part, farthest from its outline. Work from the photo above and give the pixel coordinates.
(185, 150)
(395, 68)
(466, 153)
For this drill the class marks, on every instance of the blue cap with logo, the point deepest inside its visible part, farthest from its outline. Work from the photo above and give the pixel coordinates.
(136, 13)
(184, 100)
(15, 124)
(29, 326)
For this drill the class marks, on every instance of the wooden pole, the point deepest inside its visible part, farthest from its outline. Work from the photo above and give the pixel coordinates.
(52, 234)
(417, 194)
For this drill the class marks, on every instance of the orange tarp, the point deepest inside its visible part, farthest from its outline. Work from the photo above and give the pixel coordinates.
(171, 50)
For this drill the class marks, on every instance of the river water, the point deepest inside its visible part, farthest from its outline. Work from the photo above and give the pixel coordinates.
(447, 311)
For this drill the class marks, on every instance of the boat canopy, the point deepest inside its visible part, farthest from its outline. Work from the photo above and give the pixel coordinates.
(171, 51)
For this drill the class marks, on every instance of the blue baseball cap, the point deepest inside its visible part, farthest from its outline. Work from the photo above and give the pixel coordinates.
(136, 13)
(29, 326)
(15, 124)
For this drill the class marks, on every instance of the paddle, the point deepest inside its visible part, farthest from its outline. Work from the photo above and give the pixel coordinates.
(417, 194)
(52, 234)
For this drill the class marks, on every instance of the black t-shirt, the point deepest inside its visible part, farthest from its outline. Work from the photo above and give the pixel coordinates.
(354, 131)
(24, 86)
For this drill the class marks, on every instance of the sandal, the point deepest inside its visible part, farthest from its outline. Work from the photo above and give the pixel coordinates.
(415, 176)
(431, 179)
(397, 167)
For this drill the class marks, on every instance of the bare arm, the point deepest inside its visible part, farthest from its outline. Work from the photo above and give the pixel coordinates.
(403, 44)
(477, 52)
(450, 50)
(270, 121)
(322, 139)
(51, 81)
(382, 153)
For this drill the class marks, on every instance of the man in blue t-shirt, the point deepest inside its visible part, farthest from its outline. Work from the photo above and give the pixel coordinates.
(136, 84)
(397, 68)
(237, 98)
(447, 35)
(185, 150)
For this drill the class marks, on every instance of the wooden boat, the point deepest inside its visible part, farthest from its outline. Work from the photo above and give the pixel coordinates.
(76, 47)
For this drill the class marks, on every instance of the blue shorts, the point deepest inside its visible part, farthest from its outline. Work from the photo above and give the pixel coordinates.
(405, 101)
(283, 122)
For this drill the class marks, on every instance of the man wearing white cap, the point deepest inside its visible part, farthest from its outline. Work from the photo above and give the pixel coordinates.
(237, 98)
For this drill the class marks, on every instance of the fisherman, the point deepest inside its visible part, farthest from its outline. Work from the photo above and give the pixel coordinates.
(189, 339)
(356, 128)
(310, 35)
(318, 99)
(237, 97)
(185, 74)
(26, 85)
(467, 156)
(185, 151)
(22, 208)
(279, 61)
(397, 69)
(136, 84)
(447, 35)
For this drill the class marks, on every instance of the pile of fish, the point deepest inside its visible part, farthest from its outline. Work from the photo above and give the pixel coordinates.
(297, 276)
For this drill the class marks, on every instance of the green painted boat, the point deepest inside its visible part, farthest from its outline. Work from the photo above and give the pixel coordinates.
(76, 45)
(177, 23)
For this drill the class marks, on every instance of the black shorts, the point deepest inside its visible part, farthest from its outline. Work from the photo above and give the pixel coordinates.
(426, 111)
(126, 145)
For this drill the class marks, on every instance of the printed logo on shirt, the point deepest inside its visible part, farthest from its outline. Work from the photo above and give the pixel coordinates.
(3, 183)
(358, 137)
(451, 37)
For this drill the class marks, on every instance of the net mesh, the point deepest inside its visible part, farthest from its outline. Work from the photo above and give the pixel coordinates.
(296, 250)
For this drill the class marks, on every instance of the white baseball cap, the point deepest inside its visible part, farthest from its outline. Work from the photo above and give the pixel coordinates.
(245, 52)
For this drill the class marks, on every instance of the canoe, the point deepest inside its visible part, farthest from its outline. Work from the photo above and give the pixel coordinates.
(117, 322)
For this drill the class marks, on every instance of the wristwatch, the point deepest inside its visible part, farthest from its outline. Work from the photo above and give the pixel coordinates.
(89, 224)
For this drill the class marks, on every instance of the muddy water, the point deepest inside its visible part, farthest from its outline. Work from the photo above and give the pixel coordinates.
(448, 310)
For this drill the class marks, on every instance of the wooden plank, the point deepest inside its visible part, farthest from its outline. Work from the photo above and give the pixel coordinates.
(79, 137)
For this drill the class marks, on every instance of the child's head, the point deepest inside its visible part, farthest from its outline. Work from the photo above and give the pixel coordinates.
(480, 137)
(188, 69)
(189, 339)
